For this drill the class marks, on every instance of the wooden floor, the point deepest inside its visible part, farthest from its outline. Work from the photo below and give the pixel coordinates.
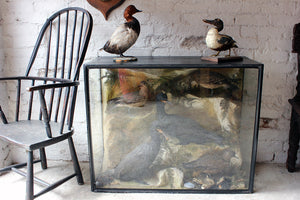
(272, 182)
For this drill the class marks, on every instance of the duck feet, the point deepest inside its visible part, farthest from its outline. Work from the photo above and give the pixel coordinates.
(228, 53)
(215, 55)
(161, 132)
(123, 58)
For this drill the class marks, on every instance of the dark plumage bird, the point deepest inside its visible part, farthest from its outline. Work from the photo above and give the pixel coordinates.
(136, 165)
(211, 80)
(125, 35)
(207, 79)
(216, 41)
(186, 130)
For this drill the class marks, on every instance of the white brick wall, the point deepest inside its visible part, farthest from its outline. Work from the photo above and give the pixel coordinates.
(262, 29)
(4, 149)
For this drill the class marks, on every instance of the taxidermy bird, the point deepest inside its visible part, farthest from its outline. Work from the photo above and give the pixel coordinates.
(125, 35)
(207, 79)
(136, 98)
(136, 165)
(216, 41)
(185, 129)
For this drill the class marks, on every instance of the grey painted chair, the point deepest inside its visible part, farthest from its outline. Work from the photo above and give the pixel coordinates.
(44, 113)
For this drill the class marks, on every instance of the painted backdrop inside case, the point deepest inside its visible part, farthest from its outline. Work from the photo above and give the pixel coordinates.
(181, 129)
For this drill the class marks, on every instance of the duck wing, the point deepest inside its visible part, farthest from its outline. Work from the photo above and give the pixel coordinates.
(226, 41)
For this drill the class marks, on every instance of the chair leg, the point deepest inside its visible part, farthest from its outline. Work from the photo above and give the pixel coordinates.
(75, 161)
(29, 177)
(43, 158)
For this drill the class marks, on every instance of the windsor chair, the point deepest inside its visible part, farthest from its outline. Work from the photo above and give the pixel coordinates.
(44, 113)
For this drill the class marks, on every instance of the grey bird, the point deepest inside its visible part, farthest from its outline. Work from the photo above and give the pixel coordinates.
(185, 129)
(136, 165)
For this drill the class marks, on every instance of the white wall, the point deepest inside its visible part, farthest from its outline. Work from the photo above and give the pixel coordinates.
(262, 29)
(4, 148)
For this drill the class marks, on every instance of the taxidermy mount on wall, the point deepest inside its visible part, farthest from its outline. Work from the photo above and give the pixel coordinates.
(106, 6)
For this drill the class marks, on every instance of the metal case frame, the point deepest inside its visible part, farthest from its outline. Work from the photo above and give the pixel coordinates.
(174, 63)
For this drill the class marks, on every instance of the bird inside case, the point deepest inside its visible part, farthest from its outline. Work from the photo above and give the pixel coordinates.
(172, 129)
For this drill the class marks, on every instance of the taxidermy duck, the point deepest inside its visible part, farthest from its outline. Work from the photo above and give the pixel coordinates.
(125, 35)
(136, 98)
(216, 41)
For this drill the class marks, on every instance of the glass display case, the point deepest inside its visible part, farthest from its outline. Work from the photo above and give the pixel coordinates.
(172, 124)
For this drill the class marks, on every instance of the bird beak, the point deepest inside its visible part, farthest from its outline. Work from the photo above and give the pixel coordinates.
(208, 21)
(139, 11)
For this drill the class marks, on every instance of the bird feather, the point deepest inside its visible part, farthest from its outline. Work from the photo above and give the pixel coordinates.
(121, 40)
(225, 39)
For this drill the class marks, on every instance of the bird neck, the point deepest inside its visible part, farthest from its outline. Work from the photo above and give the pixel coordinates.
(219, 27)
(213, 32)
(134, 24)
(155, 137)
(161, 113)
(128, 17)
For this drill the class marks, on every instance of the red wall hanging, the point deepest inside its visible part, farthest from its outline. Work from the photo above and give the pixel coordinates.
(106, 6)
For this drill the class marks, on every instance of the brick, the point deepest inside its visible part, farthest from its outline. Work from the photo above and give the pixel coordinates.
(284, 20)
(278, 7)
(253, 20)
(250, 7)
(249, 32)
(272, 147)
(247, 43)
(191, 6)
(276, 135)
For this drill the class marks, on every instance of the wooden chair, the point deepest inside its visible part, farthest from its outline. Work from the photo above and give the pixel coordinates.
(44, 113)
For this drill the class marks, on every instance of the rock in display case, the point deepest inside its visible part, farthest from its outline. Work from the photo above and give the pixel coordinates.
(172, 124)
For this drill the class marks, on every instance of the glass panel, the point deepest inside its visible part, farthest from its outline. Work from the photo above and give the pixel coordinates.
(184, 129)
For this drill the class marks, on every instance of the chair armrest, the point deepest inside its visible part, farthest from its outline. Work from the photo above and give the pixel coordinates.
(12, 78)
(61, 80)
(53, 85)
(40, 89)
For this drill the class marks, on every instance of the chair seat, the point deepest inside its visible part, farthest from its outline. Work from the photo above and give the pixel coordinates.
(31, 134)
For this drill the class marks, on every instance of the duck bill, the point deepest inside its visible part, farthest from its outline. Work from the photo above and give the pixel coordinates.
(139, 11)
(208, 21)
